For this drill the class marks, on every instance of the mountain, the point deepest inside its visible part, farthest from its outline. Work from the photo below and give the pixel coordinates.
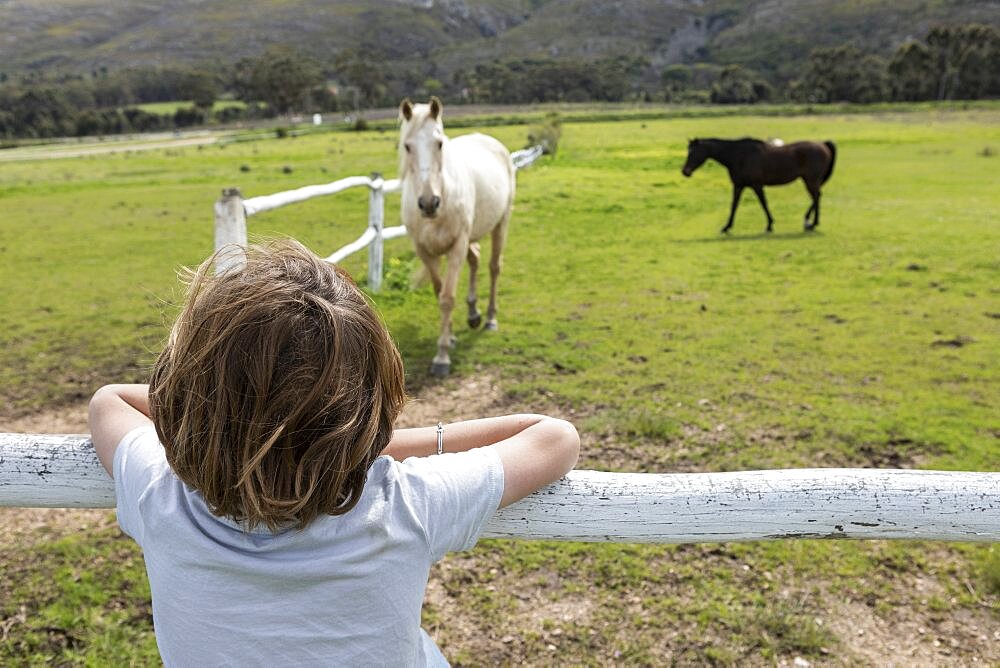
(771, 36)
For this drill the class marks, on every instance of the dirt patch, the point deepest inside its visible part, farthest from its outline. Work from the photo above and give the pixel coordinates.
(455, 399)
(24, 527)
(53, 152)
(482, 614)
(70, 419)
(914, 634)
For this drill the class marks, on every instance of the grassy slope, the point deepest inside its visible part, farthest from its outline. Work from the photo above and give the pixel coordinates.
(770, 35)
(172, 107)
(78, 35)
(777, 36)
(674, 348)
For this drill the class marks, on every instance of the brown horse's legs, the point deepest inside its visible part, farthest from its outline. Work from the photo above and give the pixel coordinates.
(499, 238)
(737, 191)
(763, 202)
(809, 214)
(814, 209)
(473, 258)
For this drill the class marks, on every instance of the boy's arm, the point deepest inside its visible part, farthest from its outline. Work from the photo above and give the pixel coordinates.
(115, 410)
(535, 450)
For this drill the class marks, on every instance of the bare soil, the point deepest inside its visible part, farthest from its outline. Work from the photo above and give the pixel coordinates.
(124, 145)
(539, 617)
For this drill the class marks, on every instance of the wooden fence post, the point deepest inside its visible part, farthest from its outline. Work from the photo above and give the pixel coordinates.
(230, 229)
(376, 221)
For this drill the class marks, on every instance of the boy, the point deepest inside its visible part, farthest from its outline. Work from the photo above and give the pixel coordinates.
(282, 519)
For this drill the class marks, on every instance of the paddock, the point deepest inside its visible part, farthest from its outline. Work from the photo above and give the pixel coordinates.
(685, 352)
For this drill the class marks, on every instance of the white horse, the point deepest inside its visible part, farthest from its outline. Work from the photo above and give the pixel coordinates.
(455, 191)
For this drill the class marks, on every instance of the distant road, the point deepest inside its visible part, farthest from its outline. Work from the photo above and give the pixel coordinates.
(133, 143)
(81, 147)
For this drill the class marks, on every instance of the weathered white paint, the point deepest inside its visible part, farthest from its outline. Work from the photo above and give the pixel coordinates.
(63, 471)
(230, 229)
(52, 471)
(376, 218)
(526, 156)
(759, 505)
(393, 232)
(353, 247)
(365, 239)
(231, 212)
(256, 205)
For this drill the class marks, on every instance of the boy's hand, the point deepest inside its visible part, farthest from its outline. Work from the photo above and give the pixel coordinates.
(115, 410)
(534, 449)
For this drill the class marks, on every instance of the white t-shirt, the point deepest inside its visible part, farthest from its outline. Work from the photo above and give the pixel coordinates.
(345, 591)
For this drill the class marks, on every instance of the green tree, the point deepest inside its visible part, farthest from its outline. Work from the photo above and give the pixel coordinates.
(200, 88)
(842, 74)
(363, 72)
(911, 73)
(550, 80)
(675, 80)
(281, 78)
(965, 60)
(738, 85)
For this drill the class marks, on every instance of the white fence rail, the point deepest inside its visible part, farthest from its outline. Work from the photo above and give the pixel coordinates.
(63, 471)
(231, 212)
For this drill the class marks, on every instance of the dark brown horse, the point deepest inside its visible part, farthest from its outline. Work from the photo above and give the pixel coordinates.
(755, 164)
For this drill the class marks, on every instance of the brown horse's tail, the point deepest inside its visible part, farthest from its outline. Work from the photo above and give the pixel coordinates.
(833, 159)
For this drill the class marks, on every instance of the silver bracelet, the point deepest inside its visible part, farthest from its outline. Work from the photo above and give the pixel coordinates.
(440, 435)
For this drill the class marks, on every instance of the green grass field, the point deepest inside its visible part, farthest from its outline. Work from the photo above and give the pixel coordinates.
(871, 342)
(172, 107)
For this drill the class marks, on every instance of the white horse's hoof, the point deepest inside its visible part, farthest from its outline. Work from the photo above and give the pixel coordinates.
(440, 369)
(492, 326)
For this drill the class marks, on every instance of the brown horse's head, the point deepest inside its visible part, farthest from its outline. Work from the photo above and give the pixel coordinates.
(697, 155)
(421, 144)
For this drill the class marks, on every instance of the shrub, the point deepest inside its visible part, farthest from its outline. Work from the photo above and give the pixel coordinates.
(991, 572)
(547, 134)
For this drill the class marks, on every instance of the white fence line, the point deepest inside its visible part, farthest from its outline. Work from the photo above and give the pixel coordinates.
(62, 471)
(231, 212)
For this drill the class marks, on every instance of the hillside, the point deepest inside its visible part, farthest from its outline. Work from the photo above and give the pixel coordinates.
(769, 35)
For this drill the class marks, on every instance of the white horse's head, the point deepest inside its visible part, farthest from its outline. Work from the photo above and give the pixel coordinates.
(421, 149)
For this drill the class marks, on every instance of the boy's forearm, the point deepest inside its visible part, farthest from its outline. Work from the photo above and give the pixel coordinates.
(458, 436)
(135, 395)
(114, 411)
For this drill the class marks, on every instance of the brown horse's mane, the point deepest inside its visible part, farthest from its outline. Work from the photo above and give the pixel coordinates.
(748, 140)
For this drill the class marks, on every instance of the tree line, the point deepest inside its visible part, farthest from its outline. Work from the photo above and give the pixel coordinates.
(951, 62)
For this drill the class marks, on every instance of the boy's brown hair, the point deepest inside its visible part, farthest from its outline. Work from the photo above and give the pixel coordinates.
(277, 389)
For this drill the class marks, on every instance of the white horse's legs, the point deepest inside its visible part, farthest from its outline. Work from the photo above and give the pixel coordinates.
(475, 319)
(496, 264)
(433, 270)
(446, 300)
